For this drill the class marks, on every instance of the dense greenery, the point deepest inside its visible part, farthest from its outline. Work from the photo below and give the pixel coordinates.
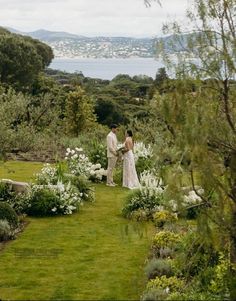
(190, 121)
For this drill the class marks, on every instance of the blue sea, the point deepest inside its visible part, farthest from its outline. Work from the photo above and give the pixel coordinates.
(108, 68)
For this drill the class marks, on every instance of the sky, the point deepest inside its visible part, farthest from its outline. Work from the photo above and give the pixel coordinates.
(92, 17)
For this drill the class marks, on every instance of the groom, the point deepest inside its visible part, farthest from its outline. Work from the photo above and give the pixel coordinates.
(111, 154)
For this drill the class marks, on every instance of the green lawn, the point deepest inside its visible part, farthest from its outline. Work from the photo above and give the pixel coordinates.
(100, 254)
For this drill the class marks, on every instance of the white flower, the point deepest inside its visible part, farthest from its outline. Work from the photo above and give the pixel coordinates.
(54, 209)
(98, 166)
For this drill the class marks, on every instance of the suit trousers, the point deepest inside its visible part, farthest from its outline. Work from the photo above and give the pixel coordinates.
(110, 168)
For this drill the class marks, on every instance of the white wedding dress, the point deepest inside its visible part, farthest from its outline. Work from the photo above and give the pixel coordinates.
(130, 177)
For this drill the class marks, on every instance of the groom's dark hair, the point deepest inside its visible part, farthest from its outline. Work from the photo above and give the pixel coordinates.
(130, 133)
(114, 126)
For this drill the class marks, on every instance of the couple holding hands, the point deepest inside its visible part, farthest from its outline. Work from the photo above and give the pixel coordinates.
(130, 178)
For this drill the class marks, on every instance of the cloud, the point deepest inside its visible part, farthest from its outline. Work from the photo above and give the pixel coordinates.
(91, 17)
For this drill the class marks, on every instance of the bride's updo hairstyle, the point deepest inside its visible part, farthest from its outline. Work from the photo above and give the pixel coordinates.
(130, 133)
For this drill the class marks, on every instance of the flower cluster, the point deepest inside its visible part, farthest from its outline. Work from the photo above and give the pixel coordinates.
(149, 197)
(47, 175)
(67, 199)
(80, 165)
(97, 172)
(152, 187)
(189, 199)
(142, 151)
(78, 162)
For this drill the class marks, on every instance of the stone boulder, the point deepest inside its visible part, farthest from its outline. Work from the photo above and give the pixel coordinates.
(18, 187)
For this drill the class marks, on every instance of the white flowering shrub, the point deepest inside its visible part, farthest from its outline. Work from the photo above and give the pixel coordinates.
(97, 172)
(142, 151)
(47, 175)
(143, 157)
(53, 199)
(149, 197)
(188, 203)
(80, 165)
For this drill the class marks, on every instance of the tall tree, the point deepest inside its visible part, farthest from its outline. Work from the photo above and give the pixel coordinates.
(21, 59)
(79, 112)
(200, 116)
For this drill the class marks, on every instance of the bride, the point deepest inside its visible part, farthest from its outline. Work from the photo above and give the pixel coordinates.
(130, 178)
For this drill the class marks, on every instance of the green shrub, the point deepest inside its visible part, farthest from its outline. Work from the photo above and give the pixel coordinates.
(141, 199)
(98, 153)
(139, 215)
(9, 214)
(194, 255)
(5, 230)
(6, 192)
(165, 239)
(162, 217)
(42, 202)
(19, 203)
(143, 164)
(171, 283)
(154, 295)
(83, 185)
(158, 267)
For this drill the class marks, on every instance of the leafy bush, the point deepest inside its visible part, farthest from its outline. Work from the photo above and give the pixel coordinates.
(42, 203)
(53, 200)
(165, 239)
(9, 214)
(97, 154)
(141, 200)
(158, 267)
(194, 255)
(149, 197)
(19, 203)
(84, 187)
(162, 217)
(143, 164)
(5, 230)
(139, 215)
(6, 192)
(171, 283)
(154, 295)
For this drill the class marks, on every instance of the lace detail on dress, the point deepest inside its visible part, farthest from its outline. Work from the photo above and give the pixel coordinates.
(130, 178)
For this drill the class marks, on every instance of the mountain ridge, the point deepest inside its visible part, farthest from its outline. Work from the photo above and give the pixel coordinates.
(68, 45)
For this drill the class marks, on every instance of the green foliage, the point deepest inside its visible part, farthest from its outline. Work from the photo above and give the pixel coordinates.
(9, 214)
(79, 112)
(84, 187)
(5, 230)
(157, 267)
(98, 153)
(22, 58)
(6, 192)
(42, 202)
(164, 216)
(195, 255)
(164, 239)
(173, 283)
(143, 164)
(136, 200)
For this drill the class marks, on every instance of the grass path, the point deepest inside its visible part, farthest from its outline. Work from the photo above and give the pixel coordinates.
(100, 255)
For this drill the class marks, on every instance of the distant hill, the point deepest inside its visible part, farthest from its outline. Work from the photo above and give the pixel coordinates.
(75, 46)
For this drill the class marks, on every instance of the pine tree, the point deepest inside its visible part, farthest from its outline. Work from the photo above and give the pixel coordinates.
(79, 112)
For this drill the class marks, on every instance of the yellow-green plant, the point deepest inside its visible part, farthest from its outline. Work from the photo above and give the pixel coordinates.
(165, 239)
(164, 216)
(168, 284)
